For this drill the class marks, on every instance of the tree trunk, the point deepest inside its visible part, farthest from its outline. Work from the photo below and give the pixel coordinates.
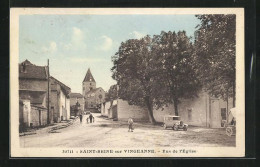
(150, 110)
(175, 101)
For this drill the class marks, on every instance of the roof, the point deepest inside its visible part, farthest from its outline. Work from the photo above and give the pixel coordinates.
(64, 87)
(89, 77)
(27, 70)
(93, 90)
(36, 97)
(27, 62)
(75, 95)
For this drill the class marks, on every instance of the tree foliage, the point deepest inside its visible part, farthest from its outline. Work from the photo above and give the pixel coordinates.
(215, 54)
(111, 94)
(173, 54)
(155, 72)
(134, 71)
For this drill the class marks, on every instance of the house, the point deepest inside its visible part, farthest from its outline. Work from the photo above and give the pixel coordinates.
(33, 111)
(201, 111)
(33, 95)
(107, 107)
(60, 100)
(76, 99)
(94, 97)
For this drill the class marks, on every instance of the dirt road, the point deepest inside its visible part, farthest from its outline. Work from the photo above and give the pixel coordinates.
(107, 133)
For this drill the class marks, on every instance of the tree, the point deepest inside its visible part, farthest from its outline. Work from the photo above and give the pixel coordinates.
(134, 70)
(215, 54)
(176, 72)
(111, 95)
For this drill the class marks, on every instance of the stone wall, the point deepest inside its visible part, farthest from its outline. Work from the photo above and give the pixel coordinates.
(33, 84)
(37, 85)
(36, 116)
(200, 111)
(124, 111)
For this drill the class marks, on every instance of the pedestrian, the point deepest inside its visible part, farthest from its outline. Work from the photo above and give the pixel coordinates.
(90, 117)
(80, 118)
(130, 123)
(87, 120)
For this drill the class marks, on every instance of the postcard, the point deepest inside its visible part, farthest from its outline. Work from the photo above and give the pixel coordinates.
(127, 82)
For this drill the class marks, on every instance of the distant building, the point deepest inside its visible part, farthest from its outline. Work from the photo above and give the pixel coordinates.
(76, 99)
(94, 97)
(33, 95)
(60, 100)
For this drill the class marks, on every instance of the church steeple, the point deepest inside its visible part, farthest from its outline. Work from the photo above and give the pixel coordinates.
(89, 77)
(88, 83)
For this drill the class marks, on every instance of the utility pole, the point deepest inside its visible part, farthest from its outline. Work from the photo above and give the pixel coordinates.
(48, 94)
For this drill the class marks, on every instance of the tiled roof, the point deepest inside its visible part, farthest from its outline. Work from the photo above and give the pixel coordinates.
(75, 95)
(27, 70)
(93, 90)
(36, 97)
(63, 86)
(89, 77)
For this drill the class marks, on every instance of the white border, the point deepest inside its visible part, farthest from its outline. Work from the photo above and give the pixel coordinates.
(16, 151)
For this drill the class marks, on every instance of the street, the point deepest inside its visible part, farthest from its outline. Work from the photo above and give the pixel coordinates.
(107, 133)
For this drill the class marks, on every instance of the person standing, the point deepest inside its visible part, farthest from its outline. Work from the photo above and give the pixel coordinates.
(130, 125)
(80, 118)
(90, 117)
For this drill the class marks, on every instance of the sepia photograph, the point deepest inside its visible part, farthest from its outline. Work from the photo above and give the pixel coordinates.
(127, 82)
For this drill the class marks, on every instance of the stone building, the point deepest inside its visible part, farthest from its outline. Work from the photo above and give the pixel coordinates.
(60, 100)
(33, 95)
(93, 96)
(76, 99)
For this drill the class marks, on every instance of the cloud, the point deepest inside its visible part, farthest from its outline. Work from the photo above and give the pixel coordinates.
(137, 34)
(51, 48)
(77, 40)
(86, 60)
(107, 43)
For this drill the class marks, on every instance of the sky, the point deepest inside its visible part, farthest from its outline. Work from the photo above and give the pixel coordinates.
(74, 43)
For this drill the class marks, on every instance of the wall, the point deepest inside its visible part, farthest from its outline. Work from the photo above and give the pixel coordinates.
(199, 111)
(68, 107)
(25, 113)
(86, 87)
(36, 85)
(125, 111)
(33, 84)
(160, 113)
(63, 101)
(35, 116)
(54, 104)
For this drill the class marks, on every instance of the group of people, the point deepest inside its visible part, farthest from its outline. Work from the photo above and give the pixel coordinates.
(90, 118)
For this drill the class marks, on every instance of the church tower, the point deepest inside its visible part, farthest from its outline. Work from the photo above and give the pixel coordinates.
(88, 83)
